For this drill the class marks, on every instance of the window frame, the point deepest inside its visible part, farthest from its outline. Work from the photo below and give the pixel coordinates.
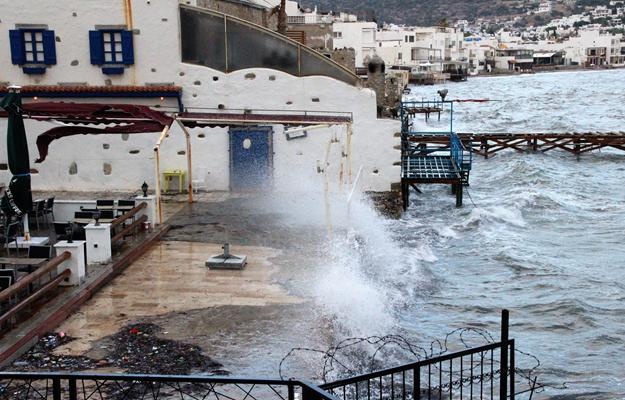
(116, 50)
(38, 56)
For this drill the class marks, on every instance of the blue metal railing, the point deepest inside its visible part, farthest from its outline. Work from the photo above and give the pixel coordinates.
(461, 156)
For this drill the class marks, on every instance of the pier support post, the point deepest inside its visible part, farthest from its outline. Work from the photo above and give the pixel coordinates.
(405, 195)
(458, 194)
(453, 188)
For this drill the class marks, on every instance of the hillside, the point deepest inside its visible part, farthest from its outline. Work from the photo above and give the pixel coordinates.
(429, 12)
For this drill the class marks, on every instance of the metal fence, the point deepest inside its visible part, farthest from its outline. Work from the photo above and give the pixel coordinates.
(53, 386)
(485, 372)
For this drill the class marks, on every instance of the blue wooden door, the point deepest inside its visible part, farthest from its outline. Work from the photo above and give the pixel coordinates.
(251, 158)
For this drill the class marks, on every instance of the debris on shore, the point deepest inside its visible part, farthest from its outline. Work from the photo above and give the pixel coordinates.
(387, 203)
(136, 349)
(41, 357)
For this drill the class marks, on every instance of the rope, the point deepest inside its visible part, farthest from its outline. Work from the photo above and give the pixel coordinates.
(471, 198)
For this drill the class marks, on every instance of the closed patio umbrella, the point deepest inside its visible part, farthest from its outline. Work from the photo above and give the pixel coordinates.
(18, 198)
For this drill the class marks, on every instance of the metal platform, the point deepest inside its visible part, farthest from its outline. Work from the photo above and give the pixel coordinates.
(432, 157)
(430, 169)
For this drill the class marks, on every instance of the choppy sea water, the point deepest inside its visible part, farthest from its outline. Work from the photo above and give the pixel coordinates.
(545, 238)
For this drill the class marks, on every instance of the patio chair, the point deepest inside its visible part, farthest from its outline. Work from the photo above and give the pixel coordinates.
(199, 180)
(107, 214)
(40, 252)
(60, 229)
(7, 278)
(9, 236)
(39, 207)
(5, 282)
(84, 214)
(123, 206)
(49, 210)
(105, 204)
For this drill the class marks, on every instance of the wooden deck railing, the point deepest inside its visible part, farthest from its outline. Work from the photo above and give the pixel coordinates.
(130, 229)
(26, 284)
(32, 277)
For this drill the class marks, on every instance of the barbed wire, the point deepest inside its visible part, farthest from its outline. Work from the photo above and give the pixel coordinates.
(335, 363)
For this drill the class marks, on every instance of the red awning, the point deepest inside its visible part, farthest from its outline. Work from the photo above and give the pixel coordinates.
(119, 118)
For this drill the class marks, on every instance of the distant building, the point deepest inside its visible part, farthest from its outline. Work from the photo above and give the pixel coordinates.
(359, 35)
(544, 7)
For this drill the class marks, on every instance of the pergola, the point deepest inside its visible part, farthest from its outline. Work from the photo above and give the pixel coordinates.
(98, 119)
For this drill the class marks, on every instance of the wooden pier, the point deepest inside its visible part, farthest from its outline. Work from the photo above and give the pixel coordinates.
(488, 144)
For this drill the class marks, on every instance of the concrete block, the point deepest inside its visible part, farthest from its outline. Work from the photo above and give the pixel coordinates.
(98, 243)
(76, 263)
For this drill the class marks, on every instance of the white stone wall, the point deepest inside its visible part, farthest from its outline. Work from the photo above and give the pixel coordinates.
(157, 60)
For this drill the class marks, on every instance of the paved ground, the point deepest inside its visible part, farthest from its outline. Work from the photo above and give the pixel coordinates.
(231, 315)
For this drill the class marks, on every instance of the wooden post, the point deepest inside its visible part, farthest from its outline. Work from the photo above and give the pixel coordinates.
(187, 136)
(157, 173)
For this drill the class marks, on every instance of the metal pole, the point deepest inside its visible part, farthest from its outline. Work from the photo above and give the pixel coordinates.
(56, 388)
(73, 393)
(291, 391)
(451, 123)
(503, 376)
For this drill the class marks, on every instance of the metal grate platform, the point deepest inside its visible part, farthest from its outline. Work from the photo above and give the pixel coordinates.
(429, 169)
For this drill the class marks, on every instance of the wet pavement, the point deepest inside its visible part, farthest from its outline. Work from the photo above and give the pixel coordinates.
(245, 321)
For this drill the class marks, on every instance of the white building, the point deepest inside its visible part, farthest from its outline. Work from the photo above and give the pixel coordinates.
(544, 7)
(359, 35)
(426, 48)
(137, 52)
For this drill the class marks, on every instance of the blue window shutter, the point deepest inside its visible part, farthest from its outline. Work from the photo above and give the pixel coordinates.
(128, 52)
(96, 46)
(18, 54)
(49, 48)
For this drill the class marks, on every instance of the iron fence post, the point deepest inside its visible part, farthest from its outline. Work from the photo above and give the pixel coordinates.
(417, 383)
(503, 376)
(73, 393)
(56, 388)
(291, 390)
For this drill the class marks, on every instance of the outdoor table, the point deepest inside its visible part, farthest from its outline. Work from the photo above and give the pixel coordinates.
(169, 175)
(34, 240)
(87, 221)
(16, 262)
